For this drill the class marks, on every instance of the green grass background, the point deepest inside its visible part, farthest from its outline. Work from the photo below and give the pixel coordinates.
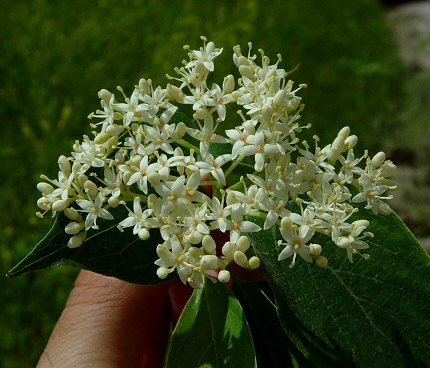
(55, 56)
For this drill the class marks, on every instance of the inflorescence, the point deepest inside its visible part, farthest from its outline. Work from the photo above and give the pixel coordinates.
(145, 155)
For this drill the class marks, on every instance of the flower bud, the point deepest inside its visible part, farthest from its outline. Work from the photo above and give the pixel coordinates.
(44, 203)
(378, 159)
(388, 169)
(126, 176)
(112, 142)
(321, 261)
(105, 95)
(72, 214)
(201, 113)
(246, 71)
(76, 240)
(338, 144)
(279, 99)
(254, 262)
(162, 272)
(201, 70)
(351, 141)
(210, 47)
(286, 223)
(135, 160)
(228, 249)
(91, 189)
(145, 86)
(243, 243)
(101, 138)
(195, 237)
(360, 223)
(315, 249)
(174, 93)
(209, 262)
(114, 130)
(154, 178)
(240, 258)
(82, 178)
(113, 202)
(73, 228)
(64, 164)
(143, 234)
(344, 241)
(231, 198)
(267, 111)
(243, 61)
(228, 84)
(59, 205)
(344, 133)
(45, 188)
(224, 276)
(180, 130)
(209, 244)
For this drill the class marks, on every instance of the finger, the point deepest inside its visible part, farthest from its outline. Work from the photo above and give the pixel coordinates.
(110, 323)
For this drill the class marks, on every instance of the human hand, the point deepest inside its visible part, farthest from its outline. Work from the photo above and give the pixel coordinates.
(111, 323)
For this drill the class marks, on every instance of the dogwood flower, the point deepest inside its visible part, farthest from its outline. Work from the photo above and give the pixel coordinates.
(175, 160)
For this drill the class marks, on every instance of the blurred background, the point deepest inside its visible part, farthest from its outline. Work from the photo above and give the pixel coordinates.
(56, 56)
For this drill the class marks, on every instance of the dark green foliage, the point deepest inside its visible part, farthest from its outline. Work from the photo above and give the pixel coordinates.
(372, 313)
(107, 251)
(211, 332)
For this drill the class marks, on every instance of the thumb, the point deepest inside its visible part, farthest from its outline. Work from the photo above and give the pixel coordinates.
(110, 323)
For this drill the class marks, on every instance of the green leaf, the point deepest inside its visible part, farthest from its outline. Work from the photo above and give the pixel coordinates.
(106, 251)
(273, 347)
(372, 313)
(212, 332)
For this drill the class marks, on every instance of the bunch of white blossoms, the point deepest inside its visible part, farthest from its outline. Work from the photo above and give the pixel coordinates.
(165, 170)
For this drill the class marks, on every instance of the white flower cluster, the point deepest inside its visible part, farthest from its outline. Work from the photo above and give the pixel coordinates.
(165, 170)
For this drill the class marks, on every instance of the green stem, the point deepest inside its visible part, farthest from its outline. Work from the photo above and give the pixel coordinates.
(190, 146)
(233, 166)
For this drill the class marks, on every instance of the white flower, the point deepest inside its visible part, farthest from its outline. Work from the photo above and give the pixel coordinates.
(257, 147)
(239, 136)
(195, 225)
(219, 213)
(188, 162)
(307, 218)
(130, 108)
(171, 255)
(113, 182)
(153, 98)
(206, 135)
(94, 210)
(158, 137)
(216, 163)
(204, 55)
(247, 198)
(296, 240)
(374, 185)
(137, 219)
(173, 195)
(89, 154)
(140, 175)
(107, 101)
(237, 225)
(351, 245)
(276, 208)
(166, 223)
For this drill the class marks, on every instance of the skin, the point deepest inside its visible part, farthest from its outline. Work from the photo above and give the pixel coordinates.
(111, 323)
